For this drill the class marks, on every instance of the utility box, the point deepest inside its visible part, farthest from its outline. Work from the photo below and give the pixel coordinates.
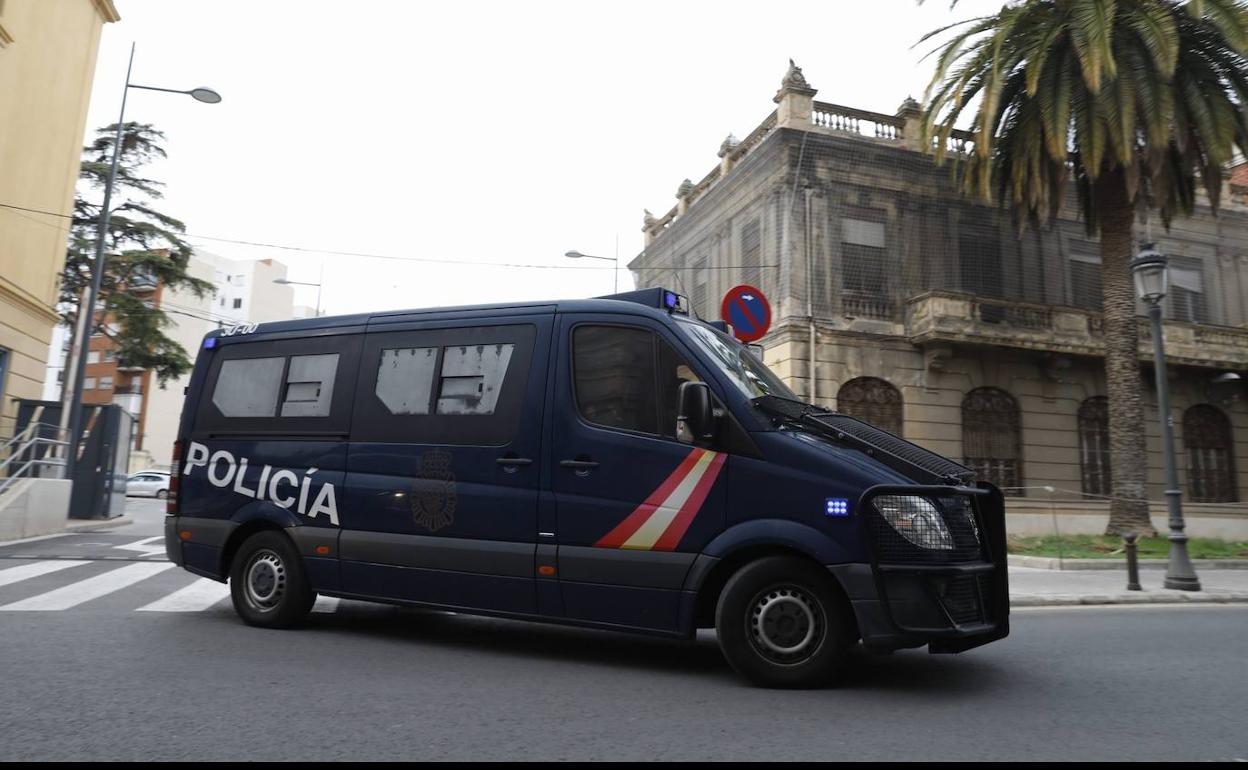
(104, 458)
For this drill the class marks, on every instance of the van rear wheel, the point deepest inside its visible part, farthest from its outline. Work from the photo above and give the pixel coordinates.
(267, 582)
(782, 623)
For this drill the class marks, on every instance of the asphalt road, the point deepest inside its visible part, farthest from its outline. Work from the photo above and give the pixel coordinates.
(103, 680)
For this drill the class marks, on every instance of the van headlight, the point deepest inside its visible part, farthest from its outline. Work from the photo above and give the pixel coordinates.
(916, 519)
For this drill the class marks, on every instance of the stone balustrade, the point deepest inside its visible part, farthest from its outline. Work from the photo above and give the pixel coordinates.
(955, 317)
(834, 117)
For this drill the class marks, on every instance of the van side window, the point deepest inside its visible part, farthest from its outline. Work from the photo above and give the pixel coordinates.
(310, 385)
(628, 378)
(405, 379)
(299, 387)
(673, 372)
(613, 368)
(248, 387)
(444, 385)
(471, 378)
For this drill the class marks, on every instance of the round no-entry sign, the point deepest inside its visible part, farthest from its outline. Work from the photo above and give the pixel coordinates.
(747, 310)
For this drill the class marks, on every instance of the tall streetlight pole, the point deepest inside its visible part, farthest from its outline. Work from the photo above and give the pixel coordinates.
(1151, 273)
(285, 282)
(615, 270)
(206, 95)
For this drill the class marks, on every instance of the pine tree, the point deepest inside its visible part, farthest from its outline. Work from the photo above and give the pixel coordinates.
(142, 245)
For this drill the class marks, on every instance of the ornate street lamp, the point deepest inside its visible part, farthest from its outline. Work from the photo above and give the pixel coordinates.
(1152, 280)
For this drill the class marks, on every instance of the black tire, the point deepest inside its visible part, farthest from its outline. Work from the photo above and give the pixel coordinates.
(161, 494)
(783, 622)
(268, 584)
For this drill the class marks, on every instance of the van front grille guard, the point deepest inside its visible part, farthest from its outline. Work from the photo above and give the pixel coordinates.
(968, 581)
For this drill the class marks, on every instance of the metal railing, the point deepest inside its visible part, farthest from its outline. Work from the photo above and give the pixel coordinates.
(38, 445)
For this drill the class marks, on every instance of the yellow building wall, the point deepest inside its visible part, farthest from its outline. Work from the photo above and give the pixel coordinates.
(47, 61)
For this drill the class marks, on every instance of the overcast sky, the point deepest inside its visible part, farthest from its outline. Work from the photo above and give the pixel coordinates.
(485, 132)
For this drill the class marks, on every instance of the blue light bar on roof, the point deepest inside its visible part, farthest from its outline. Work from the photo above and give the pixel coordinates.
(662, 299)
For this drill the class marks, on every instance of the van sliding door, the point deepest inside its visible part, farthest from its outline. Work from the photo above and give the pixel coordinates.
(444, 463)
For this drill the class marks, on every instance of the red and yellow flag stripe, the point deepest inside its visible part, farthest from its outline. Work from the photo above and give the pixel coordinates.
(662, 519)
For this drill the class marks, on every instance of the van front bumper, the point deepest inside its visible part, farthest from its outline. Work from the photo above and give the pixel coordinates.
(906, 598)
(949, 609)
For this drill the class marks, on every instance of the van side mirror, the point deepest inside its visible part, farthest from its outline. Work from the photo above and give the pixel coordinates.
(695, 411)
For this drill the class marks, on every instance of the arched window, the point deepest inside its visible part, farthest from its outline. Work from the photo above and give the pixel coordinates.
(872, 400)
(1210, 456)
(990, 437)
(1094, 445)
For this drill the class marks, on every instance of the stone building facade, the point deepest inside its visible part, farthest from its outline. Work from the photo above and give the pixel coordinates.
(897, 299)
(47, 62)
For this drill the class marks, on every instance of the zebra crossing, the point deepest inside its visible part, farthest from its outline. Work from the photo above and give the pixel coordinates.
(58, 585)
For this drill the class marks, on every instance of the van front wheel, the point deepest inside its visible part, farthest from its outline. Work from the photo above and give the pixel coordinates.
(267, 582)
(782, 623)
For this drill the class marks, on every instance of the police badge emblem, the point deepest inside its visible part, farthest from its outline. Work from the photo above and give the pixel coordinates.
(433, 494)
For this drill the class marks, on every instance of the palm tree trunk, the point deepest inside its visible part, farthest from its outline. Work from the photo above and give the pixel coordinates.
(1128, 456)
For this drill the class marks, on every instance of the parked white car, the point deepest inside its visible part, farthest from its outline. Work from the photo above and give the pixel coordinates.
(148, 484)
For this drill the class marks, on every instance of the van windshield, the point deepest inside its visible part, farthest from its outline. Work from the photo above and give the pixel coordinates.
(746, 372)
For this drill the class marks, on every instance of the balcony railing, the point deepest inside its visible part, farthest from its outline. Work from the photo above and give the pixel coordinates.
(856, 121)
(868, 305)
(956, 317)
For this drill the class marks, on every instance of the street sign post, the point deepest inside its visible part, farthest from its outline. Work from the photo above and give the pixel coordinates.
(747, 311)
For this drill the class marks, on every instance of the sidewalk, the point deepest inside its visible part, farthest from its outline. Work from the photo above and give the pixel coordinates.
(1030, 587)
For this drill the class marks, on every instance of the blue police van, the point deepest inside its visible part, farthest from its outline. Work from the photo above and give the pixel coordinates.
(610, 463)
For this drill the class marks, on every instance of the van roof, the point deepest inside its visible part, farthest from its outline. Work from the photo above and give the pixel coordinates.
(644, 302)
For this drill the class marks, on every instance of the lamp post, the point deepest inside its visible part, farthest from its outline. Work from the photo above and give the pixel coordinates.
(615, 269)
(206, 95)
(1150, 270)
(285, 282)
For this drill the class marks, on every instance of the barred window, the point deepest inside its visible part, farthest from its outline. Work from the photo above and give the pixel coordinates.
(864, 268)
(991, 437)
(872, 400)
(751, 254)
(1094, 446)
(979, 247)
(1210, 455)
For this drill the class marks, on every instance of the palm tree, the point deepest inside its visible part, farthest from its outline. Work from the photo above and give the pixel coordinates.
(1137, 101)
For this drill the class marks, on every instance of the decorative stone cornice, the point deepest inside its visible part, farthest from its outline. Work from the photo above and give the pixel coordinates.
(18, 297)
(107, 11)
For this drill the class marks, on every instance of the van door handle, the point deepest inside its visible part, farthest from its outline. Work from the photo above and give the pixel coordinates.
(579, 466)
(512, 463)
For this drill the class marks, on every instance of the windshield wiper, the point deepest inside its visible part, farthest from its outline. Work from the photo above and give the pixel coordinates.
(791, 409)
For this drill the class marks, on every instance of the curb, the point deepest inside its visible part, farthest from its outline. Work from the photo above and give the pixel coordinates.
(93, 525)
(1046, 562)
(1134, 597)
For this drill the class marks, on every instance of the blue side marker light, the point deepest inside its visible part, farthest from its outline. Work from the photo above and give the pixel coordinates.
(669, 300)
(210, 343)
(836, 506)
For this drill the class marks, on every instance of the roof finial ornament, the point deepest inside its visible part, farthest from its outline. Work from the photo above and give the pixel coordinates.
(685, 188)
(794, 82)
(729, 144)
(794, 77)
